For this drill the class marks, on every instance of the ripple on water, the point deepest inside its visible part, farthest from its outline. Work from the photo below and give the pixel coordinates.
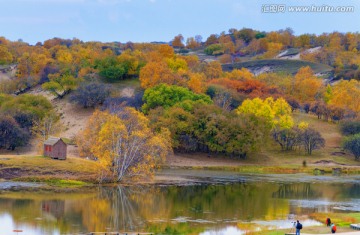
(351, 205)
(11, 184)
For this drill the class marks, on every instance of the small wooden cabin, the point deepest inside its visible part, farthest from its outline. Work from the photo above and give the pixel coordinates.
(55, 148)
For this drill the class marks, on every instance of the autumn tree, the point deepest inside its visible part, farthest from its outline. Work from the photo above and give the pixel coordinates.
(31, 66)
(196, 83)
(5, 56)
(167, 96)
(60, 85)
(191, 43)
(166, 51)
(273, 48)
(274, 112)
(242, 74)
(346, 95)
(212, 39)
(126, 147)
(303, 41)
(306, 86)
(245, 34)
(154, 73)
(86, 138)
(212, 70)
(178, 41)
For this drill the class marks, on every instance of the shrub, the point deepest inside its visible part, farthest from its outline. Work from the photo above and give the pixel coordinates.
(11, 135)
(114, 104)
(213, 48)
(90, 95)
(113, 73)
(350, 127)
(167, 96)
(352, 144)
(311, 140)
(111, 70)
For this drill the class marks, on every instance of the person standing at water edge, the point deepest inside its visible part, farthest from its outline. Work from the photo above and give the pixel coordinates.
(298, 227)
(328, 222)
(333, 228)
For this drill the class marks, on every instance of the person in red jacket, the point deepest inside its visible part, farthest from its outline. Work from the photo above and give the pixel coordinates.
(333, 228)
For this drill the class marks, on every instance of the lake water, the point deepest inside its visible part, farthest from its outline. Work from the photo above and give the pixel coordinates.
(235, 205)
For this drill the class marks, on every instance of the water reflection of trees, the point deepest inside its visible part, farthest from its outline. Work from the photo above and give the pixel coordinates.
(156, 208)
(138, 208)
(291, 191)
(354, 191)
(123, 207)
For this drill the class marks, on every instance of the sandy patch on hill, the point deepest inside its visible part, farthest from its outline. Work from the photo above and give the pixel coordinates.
(297, 56)
(201, 159)
(73, 117)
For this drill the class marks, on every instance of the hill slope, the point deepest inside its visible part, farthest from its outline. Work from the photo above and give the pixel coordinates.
(278, 65)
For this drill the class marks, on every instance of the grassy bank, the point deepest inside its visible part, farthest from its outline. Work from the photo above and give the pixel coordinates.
(307, 230)
(283, 169)
(341, 220)
(69, 172)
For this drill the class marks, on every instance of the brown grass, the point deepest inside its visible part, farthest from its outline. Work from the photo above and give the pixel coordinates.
(39, 167)
(339, 219)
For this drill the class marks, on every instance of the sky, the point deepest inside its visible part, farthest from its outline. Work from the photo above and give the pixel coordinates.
(160, 20)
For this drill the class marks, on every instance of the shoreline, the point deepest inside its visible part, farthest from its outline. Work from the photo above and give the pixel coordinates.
(75, 171)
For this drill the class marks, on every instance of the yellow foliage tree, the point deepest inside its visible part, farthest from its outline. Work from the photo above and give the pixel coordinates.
(273, 48)
(306, 85)
(346, 95)
(242, 74)
(86, 138)
(196, 83)
(274, 112)
(5, 56)
(166, 51)
(125, 146)
(213, 70)
(176, 63)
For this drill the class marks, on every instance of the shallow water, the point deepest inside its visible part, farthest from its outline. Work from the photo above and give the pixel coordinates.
(236, 204)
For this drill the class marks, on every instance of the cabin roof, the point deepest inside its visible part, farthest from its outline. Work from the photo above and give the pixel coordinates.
(52, 140)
